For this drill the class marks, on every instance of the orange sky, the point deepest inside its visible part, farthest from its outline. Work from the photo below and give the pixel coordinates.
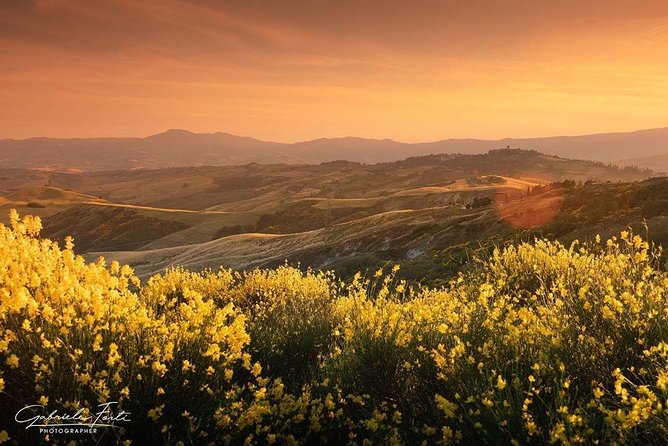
(290, 70)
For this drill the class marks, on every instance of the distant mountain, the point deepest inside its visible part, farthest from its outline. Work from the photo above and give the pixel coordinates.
(179, 148)
(168, 149)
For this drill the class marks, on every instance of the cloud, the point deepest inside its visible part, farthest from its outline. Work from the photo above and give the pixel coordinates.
(284, 68)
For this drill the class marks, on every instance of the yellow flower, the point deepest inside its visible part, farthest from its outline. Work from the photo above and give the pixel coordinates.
(156, 412)
(113, 357)
(159, 368)
(97, 343)
(446, 406)
(13, 361)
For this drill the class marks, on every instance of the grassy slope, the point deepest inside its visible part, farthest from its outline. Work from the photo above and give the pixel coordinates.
(341, 215)
(430, 243)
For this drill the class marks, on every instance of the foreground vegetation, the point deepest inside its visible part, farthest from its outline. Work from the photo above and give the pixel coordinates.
(538, 343)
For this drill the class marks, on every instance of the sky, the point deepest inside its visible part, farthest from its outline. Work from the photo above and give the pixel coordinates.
(289, 70)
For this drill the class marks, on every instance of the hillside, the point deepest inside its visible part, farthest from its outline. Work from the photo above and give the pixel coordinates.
(179, 148)
(31, 194)
(109, 227)
(421, 211)
(260, 187)
(432, 242)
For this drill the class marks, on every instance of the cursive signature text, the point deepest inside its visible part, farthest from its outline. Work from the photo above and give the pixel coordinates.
(37, 415)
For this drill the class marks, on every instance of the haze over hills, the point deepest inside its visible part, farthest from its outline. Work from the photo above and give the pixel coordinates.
(256, 187)
(340, 214)
(178, 148)
(657, 163)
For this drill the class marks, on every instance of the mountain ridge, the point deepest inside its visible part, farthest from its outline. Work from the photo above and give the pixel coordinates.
(181, 148)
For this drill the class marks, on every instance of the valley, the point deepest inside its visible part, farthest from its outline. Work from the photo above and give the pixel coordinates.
(427, 213)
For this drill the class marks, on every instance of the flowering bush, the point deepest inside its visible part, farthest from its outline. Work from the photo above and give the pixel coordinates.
(539, 343)
(74, 335)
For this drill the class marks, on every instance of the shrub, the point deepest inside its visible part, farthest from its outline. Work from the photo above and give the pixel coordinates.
(74, 336)
(290, 320)
(540, 343)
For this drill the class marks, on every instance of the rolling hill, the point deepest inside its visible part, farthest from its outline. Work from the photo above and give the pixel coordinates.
(430, 243)
(262, 188)
(179, 148)
(421, 211)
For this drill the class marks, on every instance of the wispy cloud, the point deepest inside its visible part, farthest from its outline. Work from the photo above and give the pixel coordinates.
(289, 69)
